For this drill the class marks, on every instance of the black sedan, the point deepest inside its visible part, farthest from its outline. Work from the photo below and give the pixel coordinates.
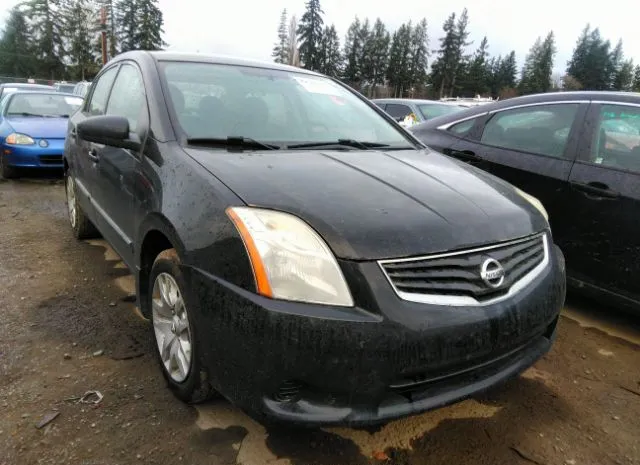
(579, 153)
(300, 253)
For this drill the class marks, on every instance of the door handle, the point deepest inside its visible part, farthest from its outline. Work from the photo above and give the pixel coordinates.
(466, 155)
(596, 189)
(93, 155)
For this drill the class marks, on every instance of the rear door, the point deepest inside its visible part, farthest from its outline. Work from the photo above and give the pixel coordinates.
(605, 200)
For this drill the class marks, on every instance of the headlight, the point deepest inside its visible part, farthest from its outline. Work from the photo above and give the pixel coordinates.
(535, 202)
(290, 260)
(18, 139)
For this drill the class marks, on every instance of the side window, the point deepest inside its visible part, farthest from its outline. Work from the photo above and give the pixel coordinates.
(617, 137)
(128, 96)
(542, 129)
(398, 111)
(463, 128)
(98, 103)
(382, 106)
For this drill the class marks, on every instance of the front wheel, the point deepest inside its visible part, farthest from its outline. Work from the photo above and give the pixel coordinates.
(174, 331)
(6, 171)
(82, 227)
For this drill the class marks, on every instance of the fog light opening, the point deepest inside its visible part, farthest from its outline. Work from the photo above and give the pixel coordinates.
(289, 391)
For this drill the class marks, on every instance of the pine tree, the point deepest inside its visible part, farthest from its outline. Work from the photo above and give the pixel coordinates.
(399, 71)
(46, 26)
(476, 80)
(352, 54)
(623, 79)
(461, 36)
(445, 67)
(593, 65)
(16, 48)
(419, 55)
(310, 34)
(111, 27)
(280, 52)
(149, 24)
(536, 74)
(527, 83)
(379, 58)
(79, 16)
(636, 79)
(127, 24)
(329, 53)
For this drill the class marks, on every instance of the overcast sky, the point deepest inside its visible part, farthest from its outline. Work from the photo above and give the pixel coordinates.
(249, 27)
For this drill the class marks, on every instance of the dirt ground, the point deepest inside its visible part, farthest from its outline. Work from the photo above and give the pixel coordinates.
(68, 326)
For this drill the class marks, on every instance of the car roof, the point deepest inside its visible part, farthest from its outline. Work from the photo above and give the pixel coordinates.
(25, 85)
(209, 58)
(44, 92)
(407, 100)
(572, 96)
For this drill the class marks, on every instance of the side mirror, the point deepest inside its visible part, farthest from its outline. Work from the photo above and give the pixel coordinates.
(108, 130)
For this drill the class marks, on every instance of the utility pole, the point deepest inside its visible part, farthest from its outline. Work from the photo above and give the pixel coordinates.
(103, 23)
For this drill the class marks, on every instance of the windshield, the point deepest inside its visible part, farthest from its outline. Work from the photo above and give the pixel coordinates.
(34, 104)
(429, 110)
(214, 101)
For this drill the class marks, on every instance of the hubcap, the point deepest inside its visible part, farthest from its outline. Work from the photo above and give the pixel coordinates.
(171, 326)
(71, 201)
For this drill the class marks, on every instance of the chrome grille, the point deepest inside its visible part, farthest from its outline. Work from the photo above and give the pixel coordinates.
(456, 278)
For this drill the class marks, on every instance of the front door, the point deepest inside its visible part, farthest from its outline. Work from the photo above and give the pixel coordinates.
(605, 201)
(85, 169)
(534, 147)
(117, 167)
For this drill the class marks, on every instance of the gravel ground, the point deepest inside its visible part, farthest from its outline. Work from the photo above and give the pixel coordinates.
(68, 326)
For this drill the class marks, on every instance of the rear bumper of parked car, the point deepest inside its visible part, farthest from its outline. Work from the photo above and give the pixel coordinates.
(318, 365)
(34, 156)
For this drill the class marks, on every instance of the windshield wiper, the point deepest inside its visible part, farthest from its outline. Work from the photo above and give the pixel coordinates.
(23, 113)
(232, 141)
(340, 142)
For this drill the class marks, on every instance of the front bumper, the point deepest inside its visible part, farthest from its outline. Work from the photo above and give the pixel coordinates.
(34, 156)
(318, 365)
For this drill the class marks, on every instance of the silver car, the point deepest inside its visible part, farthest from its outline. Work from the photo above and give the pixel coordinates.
(414, 111)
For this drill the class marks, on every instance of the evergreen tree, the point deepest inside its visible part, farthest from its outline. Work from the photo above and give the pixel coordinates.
(111, 26)
(281, 50)
(352, 53)
(79, 16)
(624, 77)
(47, 30)
(461, 36)
(443, 67)
(127, 24)
(419, 55)
(636, 79)
(16, 48)
(149, 26)
(536, 74)
(398, 73)
(379, 58)
(614, 65)
(330, 55)
(476, 81)
(592, 64)
(364, 60)
(310, 34)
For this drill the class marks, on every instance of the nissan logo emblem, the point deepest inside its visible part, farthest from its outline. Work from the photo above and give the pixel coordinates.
(492, 273)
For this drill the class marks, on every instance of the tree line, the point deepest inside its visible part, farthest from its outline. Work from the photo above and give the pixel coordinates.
(401, 63)
(61, 39)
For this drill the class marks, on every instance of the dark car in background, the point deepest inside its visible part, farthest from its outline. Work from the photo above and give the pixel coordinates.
(579, 153)
(300, 253)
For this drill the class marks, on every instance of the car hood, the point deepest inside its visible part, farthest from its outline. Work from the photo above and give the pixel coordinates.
(373, 205)
(51, 128)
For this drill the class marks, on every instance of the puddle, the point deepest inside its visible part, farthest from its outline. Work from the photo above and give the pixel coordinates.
(613, 325)
(252, 450)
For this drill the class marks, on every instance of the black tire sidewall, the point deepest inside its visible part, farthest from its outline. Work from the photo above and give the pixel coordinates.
(191, 389)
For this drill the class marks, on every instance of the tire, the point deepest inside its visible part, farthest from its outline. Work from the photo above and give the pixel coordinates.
(82, 227)
(6, 171)
(189, 379)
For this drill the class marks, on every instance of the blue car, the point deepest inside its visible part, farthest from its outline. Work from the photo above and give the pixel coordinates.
(33, 127)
